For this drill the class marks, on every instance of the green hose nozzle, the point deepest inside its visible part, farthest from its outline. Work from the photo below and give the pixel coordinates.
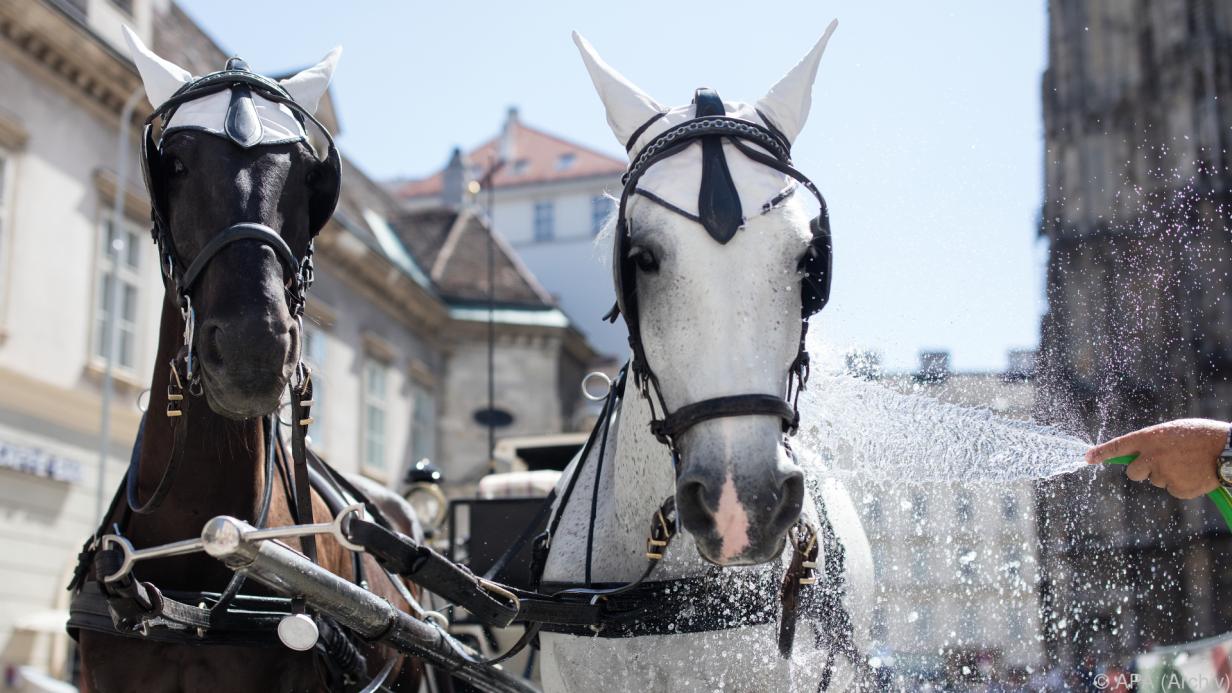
(1221, 497)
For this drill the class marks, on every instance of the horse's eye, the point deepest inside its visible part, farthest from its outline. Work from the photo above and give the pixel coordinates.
(177, 167)
(644, 259)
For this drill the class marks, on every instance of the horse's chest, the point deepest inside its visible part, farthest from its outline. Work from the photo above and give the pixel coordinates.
(114, 665)
(743, 659)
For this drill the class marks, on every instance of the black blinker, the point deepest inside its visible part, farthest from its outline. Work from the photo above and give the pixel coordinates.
(242, 124)
(718, 201)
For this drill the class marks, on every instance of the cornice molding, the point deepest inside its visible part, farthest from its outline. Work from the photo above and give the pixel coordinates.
(77, 58)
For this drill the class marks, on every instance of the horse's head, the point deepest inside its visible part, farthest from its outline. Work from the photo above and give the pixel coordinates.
(715, 255)
(238, 192)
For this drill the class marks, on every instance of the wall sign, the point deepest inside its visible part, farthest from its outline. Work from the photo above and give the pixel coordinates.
(38, 463)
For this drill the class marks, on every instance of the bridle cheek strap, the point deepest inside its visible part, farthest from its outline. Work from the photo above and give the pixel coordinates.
(247, 231)
(671, 426)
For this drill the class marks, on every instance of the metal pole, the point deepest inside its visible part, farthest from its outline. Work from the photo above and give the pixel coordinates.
(290, 573)
(111, 295)
(492, 317)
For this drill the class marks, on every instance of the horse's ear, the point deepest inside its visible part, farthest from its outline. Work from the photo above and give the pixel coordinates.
(787, 103)
(307, 87)
(627, 106)
(161, 77)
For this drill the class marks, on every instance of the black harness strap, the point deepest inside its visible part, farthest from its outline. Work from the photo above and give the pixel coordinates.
(249, 620)
(177, 407)
(688, 416)
(301, 408)
(246, 231)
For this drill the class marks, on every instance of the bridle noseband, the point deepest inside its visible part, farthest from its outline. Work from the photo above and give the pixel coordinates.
(766, 146)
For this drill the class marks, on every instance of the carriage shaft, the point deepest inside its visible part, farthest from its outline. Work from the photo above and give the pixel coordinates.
(286, 571)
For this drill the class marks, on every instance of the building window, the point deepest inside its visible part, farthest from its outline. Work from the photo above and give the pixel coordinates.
(6, 175)
(375, 403)
(1009, 506)
(919, 506)
(565, 161)
(545, 221)
(919, 566)
(1012, 563)
(314, 355)
(423, 425)
(600, 209)
(520, 166)
(123, 244)
(966, 560)
(874, 510)
(924, 622)
(963, 507)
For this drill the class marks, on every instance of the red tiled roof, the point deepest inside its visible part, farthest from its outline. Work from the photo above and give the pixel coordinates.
(536, 157)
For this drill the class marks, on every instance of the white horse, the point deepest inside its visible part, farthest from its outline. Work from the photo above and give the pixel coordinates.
(717, 319)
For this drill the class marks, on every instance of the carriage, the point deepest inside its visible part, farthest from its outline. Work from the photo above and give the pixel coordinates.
(565, 562)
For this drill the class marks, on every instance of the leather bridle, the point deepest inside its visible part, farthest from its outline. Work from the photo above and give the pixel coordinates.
(182, 275)
(764, 145)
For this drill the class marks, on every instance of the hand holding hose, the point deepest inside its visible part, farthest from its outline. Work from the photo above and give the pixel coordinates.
(1180, 456)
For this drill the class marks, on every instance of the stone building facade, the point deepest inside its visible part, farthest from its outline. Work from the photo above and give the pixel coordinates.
(550, 200)
(956, 565)
(396, 340)
(1139, 321)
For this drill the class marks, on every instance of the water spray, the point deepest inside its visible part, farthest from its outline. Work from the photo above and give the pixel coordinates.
(1221, 497)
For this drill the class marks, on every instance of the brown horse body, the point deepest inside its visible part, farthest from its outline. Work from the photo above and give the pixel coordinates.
(222, 473)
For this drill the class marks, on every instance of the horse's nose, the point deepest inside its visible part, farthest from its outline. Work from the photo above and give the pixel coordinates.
(740, 513)
(241, 348)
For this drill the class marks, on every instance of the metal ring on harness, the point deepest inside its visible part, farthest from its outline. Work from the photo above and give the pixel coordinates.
(498, 590)
(607, 381)
(132, 555)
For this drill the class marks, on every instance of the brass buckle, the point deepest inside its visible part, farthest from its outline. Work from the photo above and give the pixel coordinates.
(175, 393)
(660, 537)
(804, 541)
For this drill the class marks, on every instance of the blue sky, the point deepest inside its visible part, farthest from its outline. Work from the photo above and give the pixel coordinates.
(925, 133)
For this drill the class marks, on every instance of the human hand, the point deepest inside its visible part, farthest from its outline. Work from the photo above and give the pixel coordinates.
(1179, 456)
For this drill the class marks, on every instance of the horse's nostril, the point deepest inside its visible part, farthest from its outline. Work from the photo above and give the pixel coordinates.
(790, 502)
(695, 512)
(211, 352)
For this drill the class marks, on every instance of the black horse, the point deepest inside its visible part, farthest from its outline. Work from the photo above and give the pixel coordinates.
(235, 226)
